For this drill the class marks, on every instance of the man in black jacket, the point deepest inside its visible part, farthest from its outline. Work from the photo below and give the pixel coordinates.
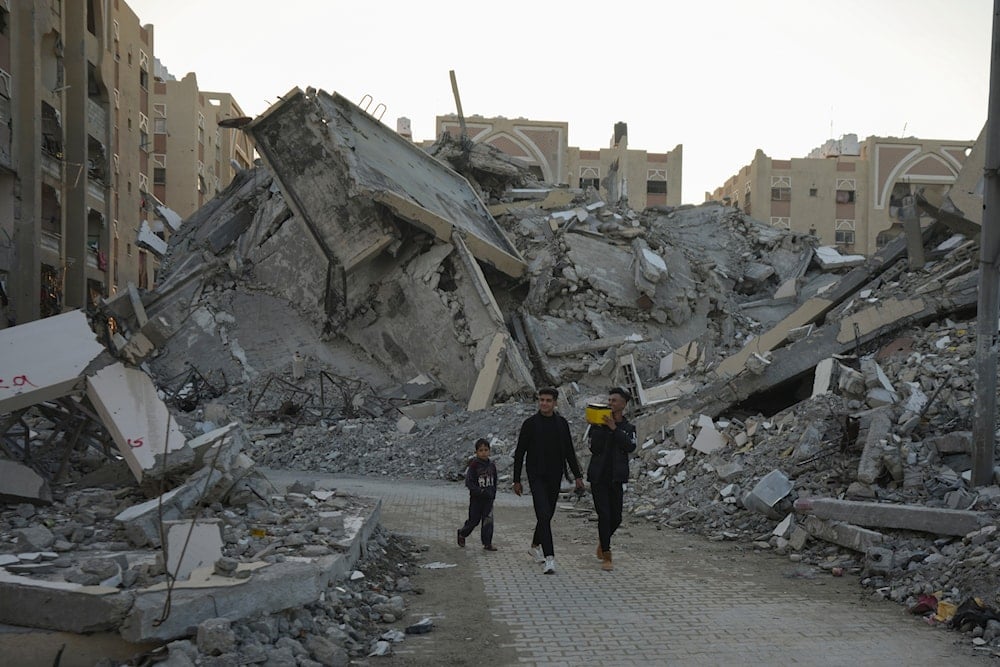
(546, 441)
(610, 445)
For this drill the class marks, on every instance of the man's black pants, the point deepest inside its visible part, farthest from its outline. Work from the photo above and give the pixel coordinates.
(544, 495)
(608, 498)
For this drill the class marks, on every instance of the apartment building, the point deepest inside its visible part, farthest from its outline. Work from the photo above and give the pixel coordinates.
(850, 194)
(194, 157)
(641, 178)
(77, 75)
(78, 146)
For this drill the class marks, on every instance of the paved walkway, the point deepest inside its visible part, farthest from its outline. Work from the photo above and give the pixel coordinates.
(673, 599)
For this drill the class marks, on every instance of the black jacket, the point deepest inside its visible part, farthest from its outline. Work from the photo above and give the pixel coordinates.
(609, 452)
(547, 443)
(481, 478)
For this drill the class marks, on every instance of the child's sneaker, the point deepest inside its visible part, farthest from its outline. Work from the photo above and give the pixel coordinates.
(489, 547)
(461, 540)
(550, 565)
(536, 553)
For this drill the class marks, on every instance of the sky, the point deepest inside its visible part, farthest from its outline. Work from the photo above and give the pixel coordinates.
(721, 77)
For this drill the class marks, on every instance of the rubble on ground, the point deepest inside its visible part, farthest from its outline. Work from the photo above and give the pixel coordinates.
(353, 306)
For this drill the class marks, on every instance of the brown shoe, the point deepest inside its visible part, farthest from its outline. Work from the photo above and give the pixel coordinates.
(606, 565)
(489, 547)
(461, 538)
(600, 552)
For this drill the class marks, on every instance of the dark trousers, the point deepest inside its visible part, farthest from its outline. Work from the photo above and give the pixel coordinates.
(608, 504)
(480, 509)
(544, 495)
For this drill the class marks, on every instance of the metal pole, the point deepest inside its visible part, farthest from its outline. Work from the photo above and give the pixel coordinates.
(458, 102)
(984, 426)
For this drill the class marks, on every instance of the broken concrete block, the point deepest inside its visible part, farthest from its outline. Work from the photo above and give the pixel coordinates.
(871, 465)
(20, 484)
(216, 636)
(798, 538)
(679, 359)
(785, 526)
(823, 376)
(34, 538)
(192, 544)
(879, 560)
(845, 534)
(138, 420)
(331, 521)
(671, 457)
(137, 349)
(44, 359)
(934, 520)
(489, 374)
(766, 495)
(405, 425)
(956, 442)
(727, 471)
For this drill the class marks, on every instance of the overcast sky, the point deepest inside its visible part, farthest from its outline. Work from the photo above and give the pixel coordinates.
(721, 77)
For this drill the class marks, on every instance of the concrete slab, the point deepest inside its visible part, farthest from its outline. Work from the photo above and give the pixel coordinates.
(138, 420)
(936, 520)
(271, 588)
(362, 157)
(192, 545)
(43, 360)
(21, 484)
(845, 534)
(489, 374)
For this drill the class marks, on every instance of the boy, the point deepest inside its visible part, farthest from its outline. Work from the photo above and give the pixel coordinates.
(481, 479)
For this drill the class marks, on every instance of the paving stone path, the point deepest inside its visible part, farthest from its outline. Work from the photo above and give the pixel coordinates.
(673, 599)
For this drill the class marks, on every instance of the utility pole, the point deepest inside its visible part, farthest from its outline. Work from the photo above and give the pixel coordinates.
(984, 426)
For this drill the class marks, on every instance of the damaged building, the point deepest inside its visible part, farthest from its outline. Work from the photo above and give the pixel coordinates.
(356, 296)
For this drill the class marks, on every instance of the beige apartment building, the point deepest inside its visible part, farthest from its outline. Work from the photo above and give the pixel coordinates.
(76, 155)
(848, 193)
(193, 156)
(641, 178)
(77, 76)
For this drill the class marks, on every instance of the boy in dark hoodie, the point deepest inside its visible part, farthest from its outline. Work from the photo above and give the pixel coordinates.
(481, 479)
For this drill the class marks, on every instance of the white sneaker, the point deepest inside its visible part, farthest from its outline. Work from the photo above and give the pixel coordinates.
(550, 565)
(536, 553)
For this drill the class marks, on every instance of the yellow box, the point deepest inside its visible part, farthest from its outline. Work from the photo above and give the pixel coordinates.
(595, 413)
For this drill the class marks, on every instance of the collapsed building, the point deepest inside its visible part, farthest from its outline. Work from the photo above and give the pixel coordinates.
(355, 295)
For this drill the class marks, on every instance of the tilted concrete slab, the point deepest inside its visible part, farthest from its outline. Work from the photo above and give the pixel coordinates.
(44, 359)
(137, 419)
(329, 156)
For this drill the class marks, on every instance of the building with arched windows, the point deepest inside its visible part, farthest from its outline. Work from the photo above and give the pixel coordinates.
(618, 173)
(850, 194)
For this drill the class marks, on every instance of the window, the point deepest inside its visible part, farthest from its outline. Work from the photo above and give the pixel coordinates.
(781, 194)
(812, 192)
(590, 183)
(143, 141)
(844, 237)
(656, 187)
(845, 196)
(143, 79)
(159, 125)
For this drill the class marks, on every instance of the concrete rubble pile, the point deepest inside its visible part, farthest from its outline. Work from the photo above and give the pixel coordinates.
(358, 305)
(119, 533)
